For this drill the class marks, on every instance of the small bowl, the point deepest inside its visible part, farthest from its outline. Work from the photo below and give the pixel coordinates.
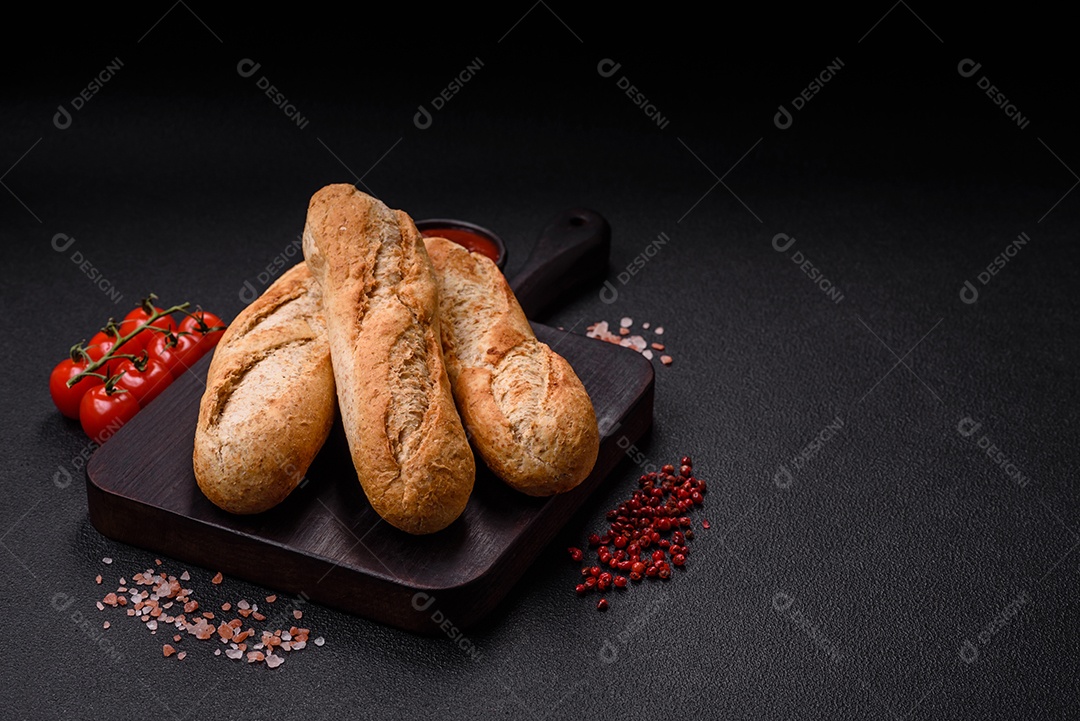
(469, 235)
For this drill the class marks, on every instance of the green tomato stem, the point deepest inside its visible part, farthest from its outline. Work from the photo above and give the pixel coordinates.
(111, 355)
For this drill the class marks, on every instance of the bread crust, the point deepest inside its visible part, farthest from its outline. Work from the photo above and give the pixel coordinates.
(269, 401)
(406, 439)
(529, 416)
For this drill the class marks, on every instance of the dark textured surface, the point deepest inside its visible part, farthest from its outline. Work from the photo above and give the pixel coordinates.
(849, 593)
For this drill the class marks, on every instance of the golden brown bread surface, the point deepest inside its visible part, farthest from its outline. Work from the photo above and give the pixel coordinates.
(269, 400)
(380, 299)
(529, 415)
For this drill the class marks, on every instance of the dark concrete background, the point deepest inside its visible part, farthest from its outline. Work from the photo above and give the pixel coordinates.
(856, 589)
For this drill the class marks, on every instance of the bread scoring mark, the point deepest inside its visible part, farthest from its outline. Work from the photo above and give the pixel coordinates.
(295, 291)
(469, 309)
(233, 383)
(519, 386)
(410, 382)
(518, 365)
(409, 374)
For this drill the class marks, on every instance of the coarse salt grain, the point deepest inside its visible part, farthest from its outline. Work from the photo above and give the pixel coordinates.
(106, 560)
(600, 330)
(659, 330)
(645, 325)
(146, 607)
(105, 625)
(98, 579)
(185, 576)
(666, 360)
(218, 578)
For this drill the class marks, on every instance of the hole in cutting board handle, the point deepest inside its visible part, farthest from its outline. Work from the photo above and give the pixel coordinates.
(570, 255)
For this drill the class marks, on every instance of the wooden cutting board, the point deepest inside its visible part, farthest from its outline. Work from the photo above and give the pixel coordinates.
(325, 541)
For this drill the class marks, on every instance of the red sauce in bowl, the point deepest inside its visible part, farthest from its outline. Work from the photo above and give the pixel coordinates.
(473, 242)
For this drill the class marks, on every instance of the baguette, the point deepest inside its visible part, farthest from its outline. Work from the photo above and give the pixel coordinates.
(527, 412)
(379, 293)
(269, 400)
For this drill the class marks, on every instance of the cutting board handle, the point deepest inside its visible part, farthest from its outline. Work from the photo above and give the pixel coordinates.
(571, 253)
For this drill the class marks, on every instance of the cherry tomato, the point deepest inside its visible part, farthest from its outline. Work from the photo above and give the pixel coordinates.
(199, 321)
(138, 342)
(102, 412)
(67, 399)
(177, 352)
(99, 345)
(139, 316)
(147, 383)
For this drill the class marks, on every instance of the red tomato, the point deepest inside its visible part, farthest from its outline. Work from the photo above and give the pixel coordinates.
(102, 412)
(137, 317)
(200, 324)
(99, 345)
(177, 352)
(147, 383)
(67, 399)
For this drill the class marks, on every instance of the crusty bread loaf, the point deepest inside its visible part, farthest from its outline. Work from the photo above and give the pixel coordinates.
(380, 298)
(529, 415)
(269, 400)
